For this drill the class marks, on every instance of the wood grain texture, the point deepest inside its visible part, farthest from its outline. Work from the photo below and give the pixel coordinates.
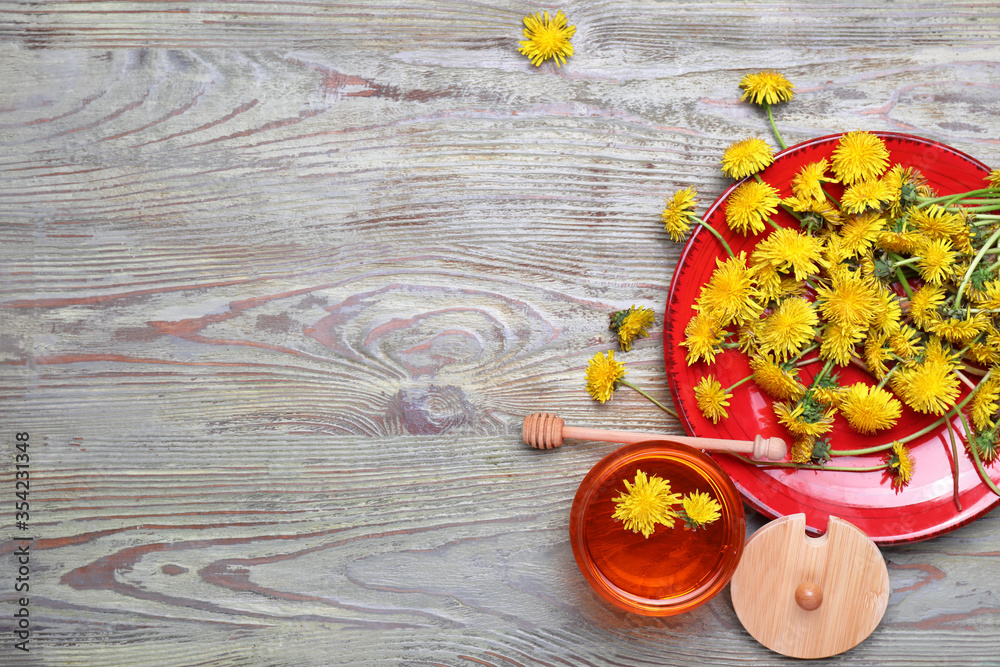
(279, 281)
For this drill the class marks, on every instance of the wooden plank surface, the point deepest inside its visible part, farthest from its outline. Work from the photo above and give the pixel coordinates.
(279, 281)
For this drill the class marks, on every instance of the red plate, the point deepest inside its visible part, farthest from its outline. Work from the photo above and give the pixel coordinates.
(926, 507)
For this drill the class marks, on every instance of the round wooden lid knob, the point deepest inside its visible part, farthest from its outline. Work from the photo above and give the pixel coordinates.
(810, 597)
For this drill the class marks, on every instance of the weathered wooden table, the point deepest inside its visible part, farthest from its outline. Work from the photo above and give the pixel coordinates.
(280, 280)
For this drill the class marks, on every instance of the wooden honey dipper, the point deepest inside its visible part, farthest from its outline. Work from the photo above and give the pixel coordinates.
(544, 431)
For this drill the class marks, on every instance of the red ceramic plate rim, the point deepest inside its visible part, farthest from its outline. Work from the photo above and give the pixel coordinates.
(924, 509)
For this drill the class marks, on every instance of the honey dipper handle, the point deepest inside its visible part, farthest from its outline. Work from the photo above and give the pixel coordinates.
(544, 431)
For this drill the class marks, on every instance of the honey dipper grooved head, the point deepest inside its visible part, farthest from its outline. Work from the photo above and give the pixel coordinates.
(542, 430)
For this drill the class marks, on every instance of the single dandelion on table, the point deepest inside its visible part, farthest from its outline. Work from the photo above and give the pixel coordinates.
(646, 502)
(604, 374)
(746, 157)
(698, 509)
(766, 87)
(630, 324)
(678, 216)
(547, 37)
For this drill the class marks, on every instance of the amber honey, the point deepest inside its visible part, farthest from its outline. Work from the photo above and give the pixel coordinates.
(675, 569)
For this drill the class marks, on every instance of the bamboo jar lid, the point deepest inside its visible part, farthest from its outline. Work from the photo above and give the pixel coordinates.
(810, 597)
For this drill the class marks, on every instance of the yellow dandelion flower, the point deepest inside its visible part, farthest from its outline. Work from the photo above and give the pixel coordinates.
(877, 353)
(936, 221)
(925, 303)
(930, 387)
(631, 324)
(859, 156)
(712, 399)
(678, 216)
(766, 88)
(989, 296)
(869, 409)
(908, 184)
(987, 445)
(889, 313)
(749, 206)
(981, 353)
(808, 183)
(937, 261)
(902, 242)
(767, 277)
(906, 343)
(959, 329)
(860, 232)
(645, 503)
(748, 337)
(994, 179)
(780, 381)
(839, 340)
(937, 351)
(802, 449)
(806, 419)
(703, 338)
(865, 195)
(900, 465)
(788, 328)
(700, 509)
(822, 208)
(547, 38)
(850, 300)
(730, 293)
(789, 249)
(983, 405)
(745, 157)
(604, 374)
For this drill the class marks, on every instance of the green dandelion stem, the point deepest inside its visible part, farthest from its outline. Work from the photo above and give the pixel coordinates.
(809, 466)
(656, 402)
(774, 128)
(983, 209)
(904, 282)
(906, 262)
(975, 458)
(749, 377)
(718, 236)
(972, 267)
(927, 201)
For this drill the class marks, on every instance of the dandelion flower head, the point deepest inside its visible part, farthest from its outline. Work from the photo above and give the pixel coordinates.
(703, 338)
(712, 398)
(900, 465)
(547, 37)
(788, 328)
(994, 179)
(766, 87)
(700, 509)
(869, 409)
(645, 503)
(746, 157)
(604, 374)
(859, 156)
(808, 183)
(631, 324)
(750, 205)
(678, 215)
(730, 293)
